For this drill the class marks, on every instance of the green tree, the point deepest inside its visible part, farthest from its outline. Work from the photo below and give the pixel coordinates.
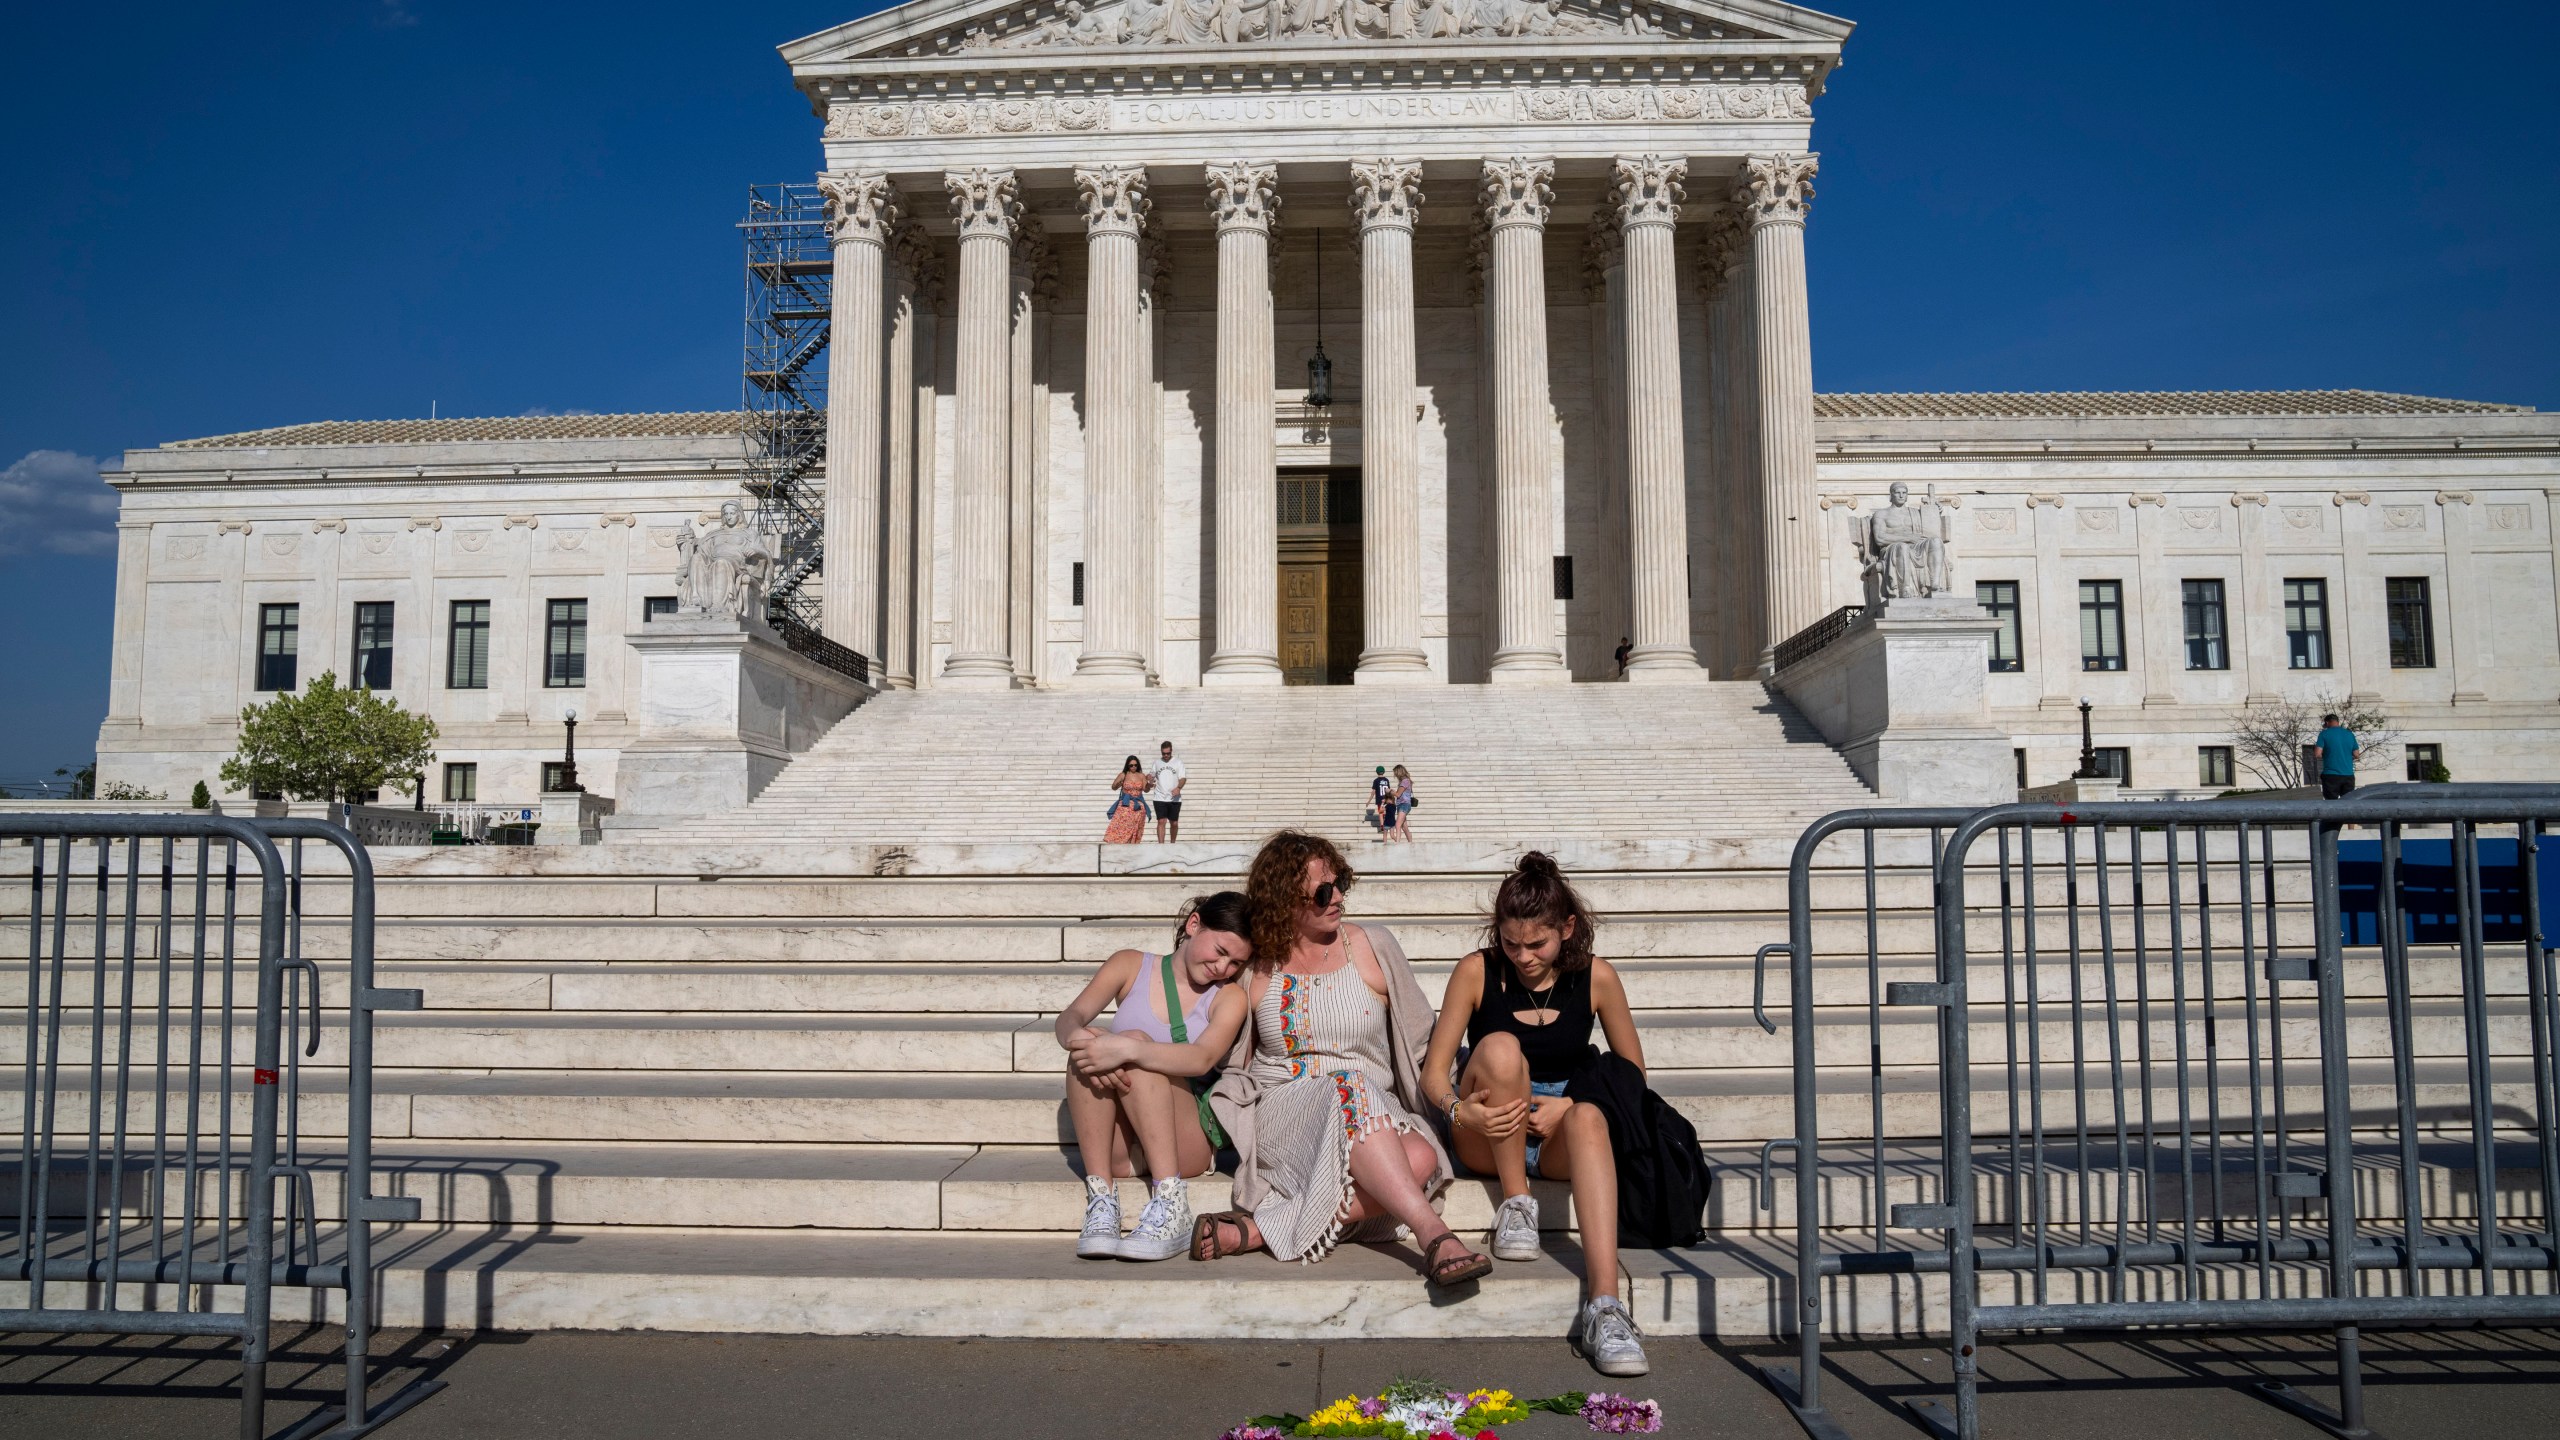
(329, 744)
(202, 799)
(84, 781)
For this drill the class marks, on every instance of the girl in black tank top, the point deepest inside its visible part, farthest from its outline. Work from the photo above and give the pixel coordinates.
(1555, 1049)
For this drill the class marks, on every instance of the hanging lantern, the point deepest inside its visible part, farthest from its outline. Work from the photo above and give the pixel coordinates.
(1319, 369)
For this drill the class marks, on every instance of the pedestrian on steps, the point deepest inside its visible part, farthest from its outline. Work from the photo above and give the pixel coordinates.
(1125, 823)
(1131, 1094)
(1404, 803)
(1165, 779)
(2338, 751)
(1382, 804)
(1528, 1079)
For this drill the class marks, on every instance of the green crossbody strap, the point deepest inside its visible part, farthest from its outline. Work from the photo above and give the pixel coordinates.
(1173, 1007)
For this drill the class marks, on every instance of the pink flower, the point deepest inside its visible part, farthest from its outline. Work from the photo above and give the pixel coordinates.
(1620, 1414)
(1372, 1408)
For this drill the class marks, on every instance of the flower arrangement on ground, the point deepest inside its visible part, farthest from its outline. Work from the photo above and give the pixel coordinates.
(1426, 1410)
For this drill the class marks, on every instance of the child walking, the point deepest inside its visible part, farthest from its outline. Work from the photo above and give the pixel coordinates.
(1128, 1084)
(1525, 1005)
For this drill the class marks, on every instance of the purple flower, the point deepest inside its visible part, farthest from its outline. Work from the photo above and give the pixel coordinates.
(1620, 1414)
(1372, 1408)
(1253, 1432)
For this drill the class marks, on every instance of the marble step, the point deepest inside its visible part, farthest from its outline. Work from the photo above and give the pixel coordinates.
(999, 1286)
(1728, 1106)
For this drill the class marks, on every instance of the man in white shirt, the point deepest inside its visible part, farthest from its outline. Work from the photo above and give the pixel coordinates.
(1166, 794)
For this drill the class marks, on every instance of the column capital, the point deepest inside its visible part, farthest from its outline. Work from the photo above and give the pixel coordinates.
(914, 252)
(985, 200)
(1647, 189)
(1385, 193)
(864, 207)
(1115, 198)
(1245, 195)
(1728, 245)
(1776, 189)
(1604, 248)
(1517, 190)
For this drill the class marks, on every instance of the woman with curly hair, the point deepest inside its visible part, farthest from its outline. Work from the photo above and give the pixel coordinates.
(1322, 1092)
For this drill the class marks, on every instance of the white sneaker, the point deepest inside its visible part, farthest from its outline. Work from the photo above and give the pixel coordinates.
(1515, 1229)
(1164, 1227)
(1607, 1334)
(1101, 1237)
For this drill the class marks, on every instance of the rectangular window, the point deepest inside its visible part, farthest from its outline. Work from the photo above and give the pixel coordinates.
(462, 782)
(1075, 584)
(555, 773)
(2306, 624)
(372, 669)
(2413, 624)
(655, 606)
(565, 654)
(2116, 761)
(2206, 649)
(2000, 597)
(1564, 577)
(2101, 625)
(2213, 765)
(467, 642)
(279, 633)
(2426, 762)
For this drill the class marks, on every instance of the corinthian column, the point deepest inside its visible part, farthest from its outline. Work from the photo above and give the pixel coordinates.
(1733, 578)
(1774, 193)
(1385, 194)
(1647, 192)
(983, 201)
(861, 211)
(1115, 208)
(1245, 198)
(1517, 194)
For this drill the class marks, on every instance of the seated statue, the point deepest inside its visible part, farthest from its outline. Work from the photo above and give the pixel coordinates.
(727, 569)
(1902, 549)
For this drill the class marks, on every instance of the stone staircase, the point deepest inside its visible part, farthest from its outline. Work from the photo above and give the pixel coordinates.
(804, 1088)
(1489, 764)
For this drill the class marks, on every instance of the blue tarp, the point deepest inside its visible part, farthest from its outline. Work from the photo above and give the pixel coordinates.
(2427, 890)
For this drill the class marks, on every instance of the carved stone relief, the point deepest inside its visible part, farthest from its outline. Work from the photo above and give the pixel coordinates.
(1233, 22)
(282, 545)
(184, 547)
(1560, 104)
(2510, 517)
(2201, 520)
(2404, 517)
(2097, 521)
(1996, 522)
(2301, 517)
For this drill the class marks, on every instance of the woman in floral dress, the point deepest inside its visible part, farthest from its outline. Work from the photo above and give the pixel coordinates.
(1128, 816)
(1321, 1094)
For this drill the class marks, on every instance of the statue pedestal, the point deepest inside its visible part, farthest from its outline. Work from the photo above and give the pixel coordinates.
(723, 706)
(1902, 694)
(572, 817)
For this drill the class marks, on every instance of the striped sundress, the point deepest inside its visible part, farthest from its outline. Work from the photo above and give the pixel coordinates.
(1321, 1056)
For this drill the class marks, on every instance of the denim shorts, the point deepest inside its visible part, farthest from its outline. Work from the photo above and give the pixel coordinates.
(1541, 1087)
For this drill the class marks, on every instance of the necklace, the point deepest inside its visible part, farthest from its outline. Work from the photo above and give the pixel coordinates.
(1538, 1003)
(1321, 952)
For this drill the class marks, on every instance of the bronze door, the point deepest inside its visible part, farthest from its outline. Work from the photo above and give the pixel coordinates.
(1319, 576)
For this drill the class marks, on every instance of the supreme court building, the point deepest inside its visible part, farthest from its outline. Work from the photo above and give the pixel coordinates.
(1320, 342)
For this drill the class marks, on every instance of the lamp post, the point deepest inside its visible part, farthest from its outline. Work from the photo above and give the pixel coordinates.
(2088, 751)
(569, 758)
(1319, 369)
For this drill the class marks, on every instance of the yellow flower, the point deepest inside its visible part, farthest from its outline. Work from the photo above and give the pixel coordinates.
(1342, 1417)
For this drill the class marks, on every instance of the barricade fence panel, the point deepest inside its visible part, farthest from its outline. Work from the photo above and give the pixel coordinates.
(179, 1065)
(2197, 1063)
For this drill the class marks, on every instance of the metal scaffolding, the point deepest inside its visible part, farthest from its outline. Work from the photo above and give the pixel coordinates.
(789, 268)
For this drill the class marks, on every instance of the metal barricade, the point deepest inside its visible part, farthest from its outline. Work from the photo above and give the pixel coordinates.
(146, 1198)
(2180, 1079)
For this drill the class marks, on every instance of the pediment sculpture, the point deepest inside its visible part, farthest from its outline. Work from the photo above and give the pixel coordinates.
(1237, 22)
(1902, 548)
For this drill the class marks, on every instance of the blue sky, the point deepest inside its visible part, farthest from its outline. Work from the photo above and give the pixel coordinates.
(220, 217)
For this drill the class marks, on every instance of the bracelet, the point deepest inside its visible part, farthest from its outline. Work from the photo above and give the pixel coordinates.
(1454, 1102)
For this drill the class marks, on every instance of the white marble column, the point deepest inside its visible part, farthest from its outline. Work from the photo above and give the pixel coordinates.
(1025, 307)
(1774, 193)
(908, 298)
(1738, 452)
(1517, 193)
(983, 201)
(1245, 198)
(1646, 190)
(1115, 208)
(861, 211)
(1385, 196)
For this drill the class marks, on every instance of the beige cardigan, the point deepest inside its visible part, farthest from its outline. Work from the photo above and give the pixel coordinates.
(1409, 1020)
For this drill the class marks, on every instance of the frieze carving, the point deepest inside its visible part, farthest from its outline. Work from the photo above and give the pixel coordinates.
(1075, 24)
(1997, 522)
(2510, 517)
(2201, 519)
(376, 543)
(2404, 517)
(1557, 104)
(2301, 517)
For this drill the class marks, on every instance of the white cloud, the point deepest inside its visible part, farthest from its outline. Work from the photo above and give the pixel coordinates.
(53, 500)
(394, 15)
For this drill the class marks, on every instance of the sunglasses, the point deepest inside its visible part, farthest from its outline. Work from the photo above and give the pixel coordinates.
(1323, 896)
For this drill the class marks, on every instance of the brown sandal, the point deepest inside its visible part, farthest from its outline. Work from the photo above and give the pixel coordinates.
(1209, 1233)
(1456, 1270)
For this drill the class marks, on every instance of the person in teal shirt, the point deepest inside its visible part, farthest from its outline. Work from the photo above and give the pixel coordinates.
(2338, 752)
